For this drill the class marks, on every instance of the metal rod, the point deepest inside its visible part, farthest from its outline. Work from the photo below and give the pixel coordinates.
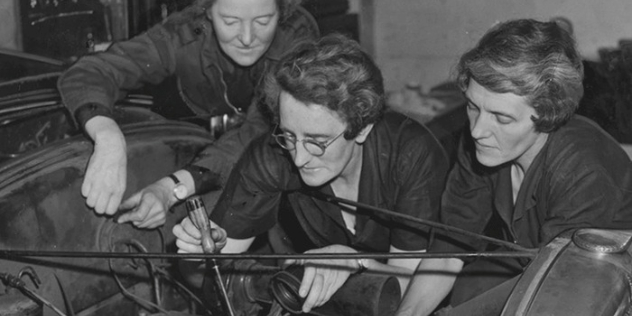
(42, 300)
(335, 199)
(11, 254)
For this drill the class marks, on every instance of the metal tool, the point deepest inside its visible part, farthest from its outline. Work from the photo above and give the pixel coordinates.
(199, 217)
(16, 282)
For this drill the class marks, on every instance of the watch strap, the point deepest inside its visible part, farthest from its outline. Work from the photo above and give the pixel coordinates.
(174, 178)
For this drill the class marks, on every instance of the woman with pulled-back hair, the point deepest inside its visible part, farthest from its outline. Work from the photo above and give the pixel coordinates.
(214, 54)
(528, 165)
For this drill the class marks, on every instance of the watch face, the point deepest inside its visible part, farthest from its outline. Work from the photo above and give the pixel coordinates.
(180, 191)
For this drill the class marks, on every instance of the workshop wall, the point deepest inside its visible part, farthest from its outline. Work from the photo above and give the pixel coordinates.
(421, 41)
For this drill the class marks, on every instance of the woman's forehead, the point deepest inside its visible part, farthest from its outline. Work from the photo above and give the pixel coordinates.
(503, 103)
(297, 116)
(245, 8)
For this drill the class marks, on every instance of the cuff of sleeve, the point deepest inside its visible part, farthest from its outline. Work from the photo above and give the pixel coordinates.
(205, 180)
(87, 111)
(363, 265)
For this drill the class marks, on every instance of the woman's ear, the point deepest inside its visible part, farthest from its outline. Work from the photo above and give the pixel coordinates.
(363, 134)
(209, 13)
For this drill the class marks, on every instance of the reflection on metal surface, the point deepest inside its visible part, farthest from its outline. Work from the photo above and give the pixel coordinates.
(603, 241)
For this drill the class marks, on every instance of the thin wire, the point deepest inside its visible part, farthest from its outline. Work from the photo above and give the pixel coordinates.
(151, 269)
(167, 276)
(519, 250)
(337, 200)
(139, 300)
(18, 254)
(43, 301)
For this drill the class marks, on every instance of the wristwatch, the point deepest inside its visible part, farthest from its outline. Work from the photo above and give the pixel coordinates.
(180, 191)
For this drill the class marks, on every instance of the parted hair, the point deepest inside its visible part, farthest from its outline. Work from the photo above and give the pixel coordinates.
(536, 60)
(333, 72)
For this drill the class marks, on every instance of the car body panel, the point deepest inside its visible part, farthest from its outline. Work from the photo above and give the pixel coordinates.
(568, 278)
(42, 209)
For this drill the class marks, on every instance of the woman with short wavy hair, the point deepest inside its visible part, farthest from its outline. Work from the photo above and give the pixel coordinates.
(527, 169)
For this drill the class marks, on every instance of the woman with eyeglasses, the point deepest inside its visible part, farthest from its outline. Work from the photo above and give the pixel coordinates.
(333, 137)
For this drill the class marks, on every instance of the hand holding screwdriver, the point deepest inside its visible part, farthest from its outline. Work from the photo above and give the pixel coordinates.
(199, 218)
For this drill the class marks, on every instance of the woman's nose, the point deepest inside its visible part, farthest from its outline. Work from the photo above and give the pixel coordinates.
(479, 126)
(300, 155)
(245, 34)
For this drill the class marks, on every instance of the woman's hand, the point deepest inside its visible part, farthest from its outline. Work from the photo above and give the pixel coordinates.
(148, 207)
(323, 277)
(105, 178)
(189, 238)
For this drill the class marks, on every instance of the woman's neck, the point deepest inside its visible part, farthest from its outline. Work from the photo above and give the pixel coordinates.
(347, 183)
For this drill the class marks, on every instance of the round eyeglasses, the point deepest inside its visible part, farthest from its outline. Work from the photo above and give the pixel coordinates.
(313, 147)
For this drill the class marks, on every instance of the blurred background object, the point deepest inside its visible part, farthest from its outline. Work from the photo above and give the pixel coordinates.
(608, 91)
(411, 100)
(334, 16)
(63, 29)
(68, 29)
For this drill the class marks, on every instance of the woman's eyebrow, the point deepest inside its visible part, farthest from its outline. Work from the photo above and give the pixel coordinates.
(493, 112)
(265, 15)
(317, 135)
(310, 135)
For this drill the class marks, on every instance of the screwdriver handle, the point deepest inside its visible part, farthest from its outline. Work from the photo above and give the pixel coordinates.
(199, 217)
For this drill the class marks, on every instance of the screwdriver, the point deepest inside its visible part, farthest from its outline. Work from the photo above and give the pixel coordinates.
(197, 213)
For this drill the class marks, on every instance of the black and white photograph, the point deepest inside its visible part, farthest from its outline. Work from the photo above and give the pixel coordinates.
(315, 157)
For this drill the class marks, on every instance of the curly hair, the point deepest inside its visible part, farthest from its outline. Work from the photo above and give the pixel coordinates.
(286, 7)
(333, 72)
(536, 60)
